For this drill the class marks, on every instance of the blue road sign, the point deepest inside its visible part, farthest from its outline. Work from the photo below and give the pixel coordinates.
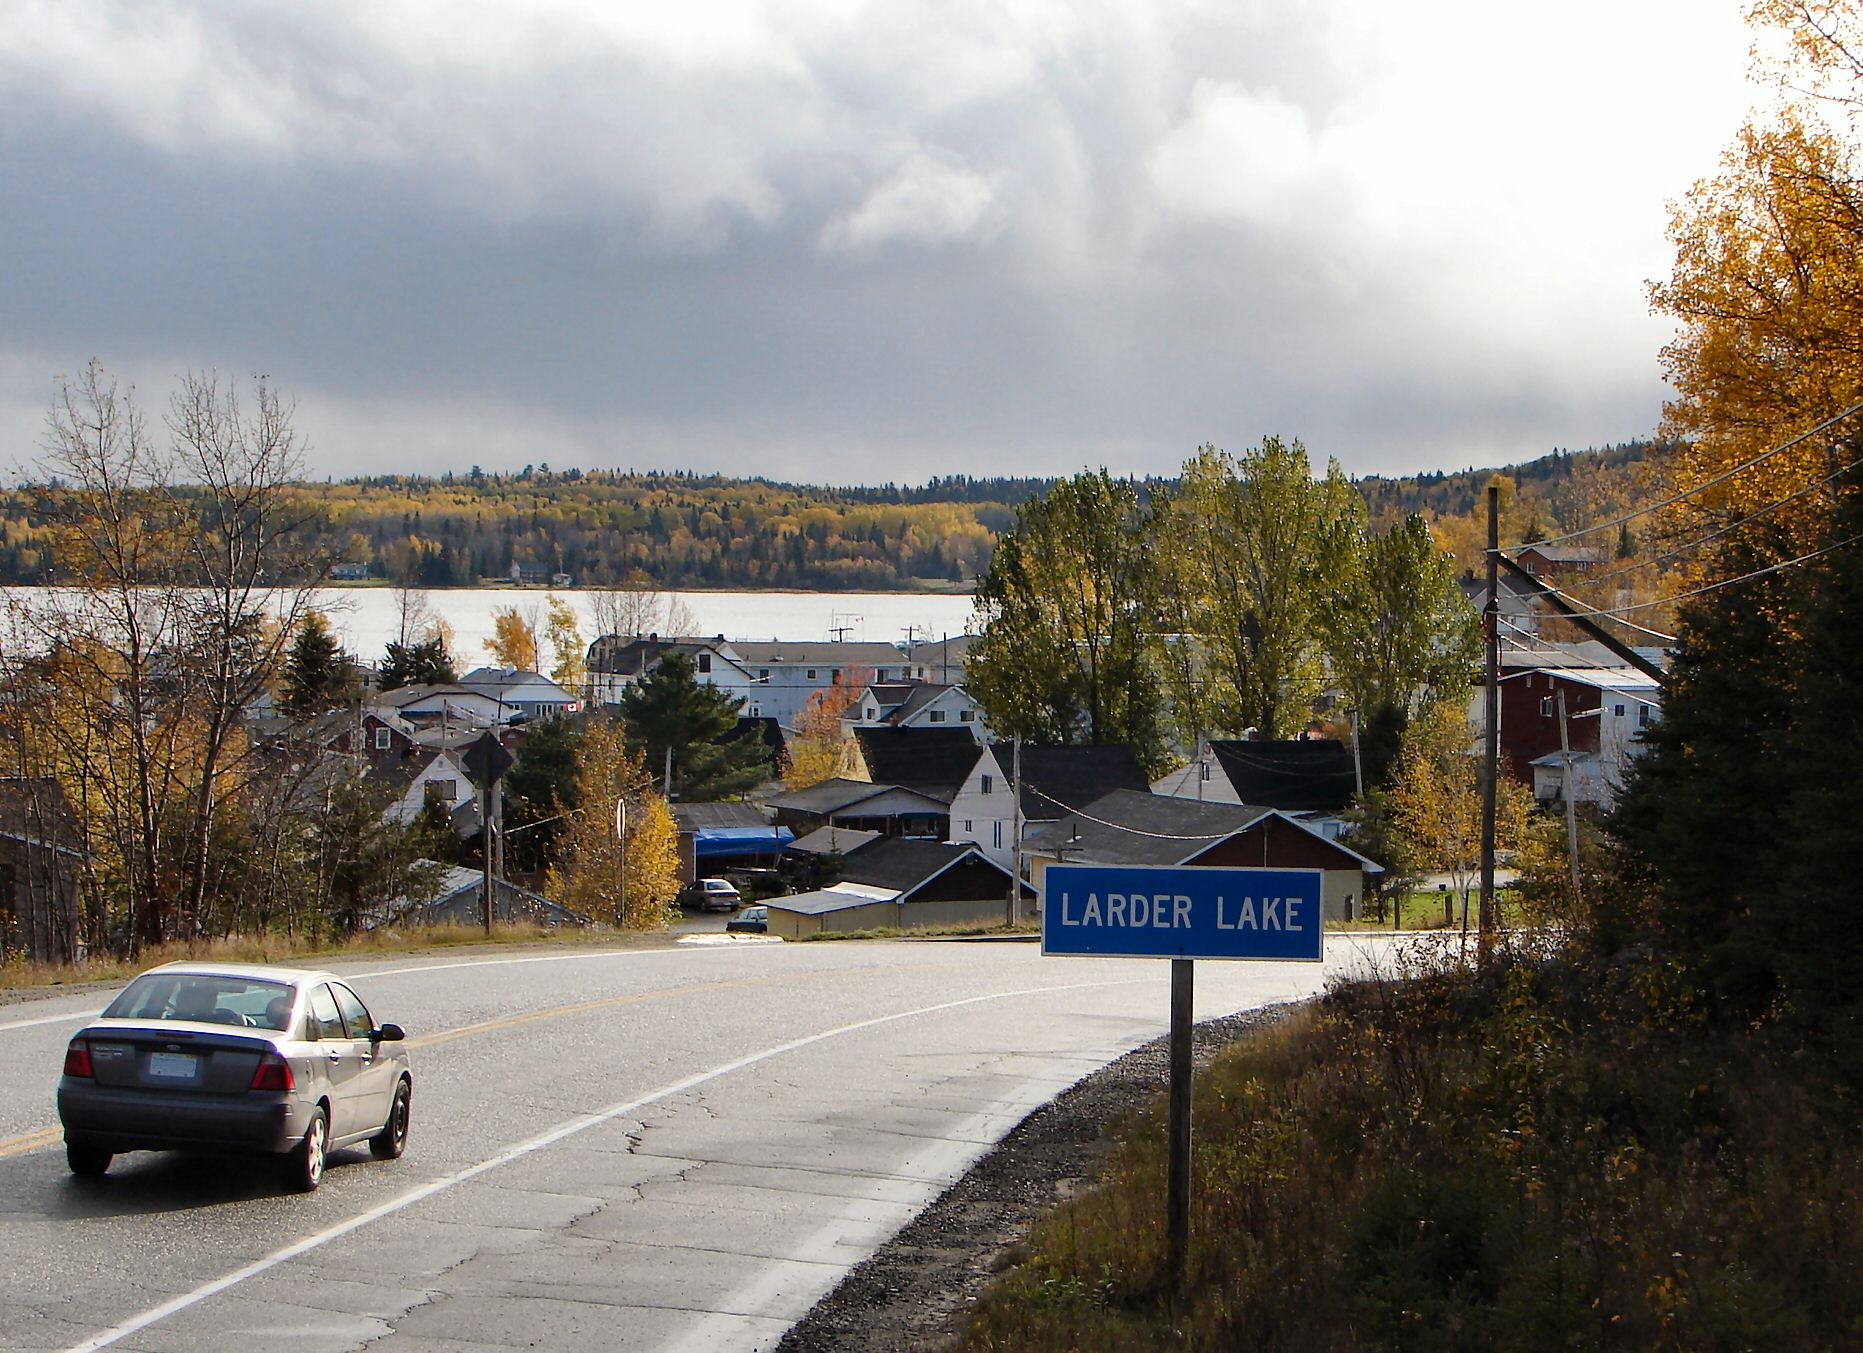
(1154, 911)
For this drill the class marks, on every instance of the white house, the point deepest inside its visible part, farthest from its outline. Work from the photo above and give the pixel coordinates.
(531, 694)
(429, 777)
(918, 704)
(1054, 781)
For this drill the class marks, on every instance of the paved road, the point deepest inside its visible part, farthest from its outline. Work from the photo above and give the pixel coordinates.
(661, 1149)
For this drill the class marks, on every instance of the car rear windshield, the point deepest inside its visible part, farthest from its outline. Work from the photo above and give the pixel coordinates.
(250, 1003)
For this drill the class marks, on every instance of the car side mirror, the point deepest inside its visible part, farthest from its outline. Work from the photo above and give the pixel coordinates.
(390, 1033)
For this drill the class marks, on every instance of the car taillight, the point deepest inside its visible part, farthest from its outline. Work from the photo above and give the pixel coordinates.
(78, 1059)
(273, 1073)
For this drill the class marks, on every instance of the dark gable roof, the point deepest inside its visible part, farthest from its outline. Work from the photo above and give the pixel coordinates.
(896, 862)
(1310, 775)
(692, 816)
(933, 761)
(829, 796)
(1055, 779)
(1128, 827)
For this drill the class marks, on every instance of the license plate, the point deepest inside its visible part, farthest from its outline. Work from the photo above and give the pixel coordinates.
(173, 1065)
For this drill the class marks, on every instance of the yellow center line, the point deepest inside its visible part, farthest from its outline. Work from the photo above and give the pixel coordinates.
(30, 1141)
(51, 1136)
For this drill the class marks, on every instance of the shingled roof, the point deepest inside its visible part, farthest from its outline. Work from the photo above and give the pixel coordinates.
(1056, 779)
(1304, 775)
(933, 761)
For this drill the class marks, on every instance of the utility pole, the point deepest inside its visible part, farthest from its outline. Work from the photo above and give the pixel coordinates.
(1358, 762)
(1015, 831)
(1571, 799)
(666, 780)
(1491, 707)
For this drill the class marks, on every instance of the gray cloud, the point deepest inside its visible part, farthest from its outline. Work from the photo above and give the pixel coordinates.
(832, 244)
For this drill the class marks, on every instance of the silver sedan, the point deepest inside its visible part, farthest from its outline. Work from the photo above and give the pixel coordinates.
(235, 1057)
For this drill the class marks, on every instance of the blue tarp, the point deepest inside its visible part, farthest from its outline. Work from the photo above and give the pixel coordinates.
(710, 842)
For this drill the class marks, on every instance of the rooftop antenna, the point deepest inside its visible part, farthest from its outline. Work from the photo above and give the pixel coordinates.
(839, 626)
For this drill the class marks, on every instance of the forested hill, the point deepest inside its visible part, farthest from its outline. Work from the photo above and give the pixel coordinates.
(679, 530)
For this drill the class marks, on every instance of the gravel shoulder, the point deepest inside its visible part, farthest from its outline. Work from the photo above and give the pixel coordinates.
(914, 1292)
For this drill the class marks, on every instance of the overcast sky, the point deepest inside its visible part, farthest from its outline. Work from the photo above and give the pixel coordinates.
(839, 241)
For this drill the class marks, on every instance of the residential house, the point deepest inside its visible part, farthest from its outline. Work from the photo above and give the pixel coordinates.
(1314, 777)
(888, 809)
(425, 705)
(1558, 561)
(1126, 827)
(917, 704)
(904, 885)
(615, 663)
(939, 661)
(531, 575)
(931, 761)
(531, 694)
(424, 777)
(1607, 710)
(788, 673)
(1054, 780)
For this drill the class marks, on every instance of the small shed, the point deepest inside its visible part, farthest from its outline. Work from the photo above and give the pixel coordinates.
(900, 884)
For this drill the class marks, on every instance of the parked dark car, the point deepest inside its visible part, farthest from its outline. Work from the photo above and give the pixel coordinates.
(754, 920)
(235, 1057)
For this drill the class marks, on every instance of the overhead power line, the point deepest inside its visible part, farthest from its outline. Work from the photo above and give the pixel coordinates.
(1721, 478)
(1617, 611)
(1713, 536)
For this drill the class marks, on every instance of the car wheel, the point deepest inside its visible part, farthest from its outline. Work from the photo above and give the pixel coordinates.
(85, 1160)
(304, 1162)
(392, 1140)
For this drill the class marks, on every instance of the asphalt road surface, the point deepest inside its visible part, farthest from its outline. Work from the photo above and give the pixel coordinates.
(653, 1149)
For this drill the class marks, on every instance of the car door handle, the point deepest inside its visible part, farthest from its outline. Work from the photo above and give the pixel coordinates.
(335, 1055)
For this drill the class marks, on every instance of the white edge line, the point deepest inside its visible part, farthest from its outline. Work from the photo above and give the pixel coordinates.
(524, 1148)
(49, 1019)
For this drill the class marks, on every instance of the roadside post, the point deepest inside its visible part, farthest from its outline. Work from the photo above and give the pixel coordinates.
(1182, 913)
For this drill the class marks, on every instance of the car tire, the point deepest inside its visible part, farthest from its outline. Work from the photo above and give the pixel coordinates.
(304, 1163)
(392, 1140)
(87, 1161)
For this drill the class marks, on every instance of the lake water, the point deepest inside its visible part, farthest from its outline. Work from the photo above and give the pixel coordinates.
(368, 617)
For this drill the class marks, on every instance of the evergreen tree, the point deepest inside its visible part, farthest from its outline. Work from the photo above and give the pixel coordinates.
(1712, 786)
(426, 662)
(541, 786)
(318, 674)
(672, 708)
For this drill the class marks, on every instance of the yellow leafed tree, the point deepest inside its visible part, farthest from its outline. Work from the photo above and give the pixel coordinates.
(589, 874)
(514, 639)
(1767, 286)
(1436, 802)
(565, 636)
(822, 748)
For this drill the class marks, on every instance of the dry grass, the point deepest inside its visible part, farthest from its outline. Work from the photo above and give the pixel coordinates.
(1547, 1156)
(282, 948)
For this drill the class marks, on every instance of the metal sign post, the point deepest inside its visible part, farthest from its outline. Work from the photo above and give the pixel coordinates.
(1183, 914)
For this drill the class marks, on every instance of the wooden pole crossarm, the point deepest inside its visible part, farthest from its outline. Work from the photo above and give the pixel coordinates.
(1567, 608)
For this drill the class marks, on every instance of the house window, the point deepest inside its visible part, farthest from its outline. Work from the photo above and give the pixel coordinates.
(1643, 716)
(834, 677)
(763, 674)
(1546, 707)
(937, 716)
(705, 662)
(996, 834)
(442, 792)
(382, 739)
(989, 784)
(968, 827)
(1617, 711)
(756, 711)
(965, 715)
(811, 674)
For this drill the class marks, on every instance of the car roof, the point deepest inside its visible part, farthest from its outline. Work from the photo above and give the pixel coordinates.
(258, 972)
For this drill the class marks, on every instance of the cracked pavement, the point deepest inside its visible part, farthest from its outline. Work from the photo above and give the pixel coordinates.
(691, 1166)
